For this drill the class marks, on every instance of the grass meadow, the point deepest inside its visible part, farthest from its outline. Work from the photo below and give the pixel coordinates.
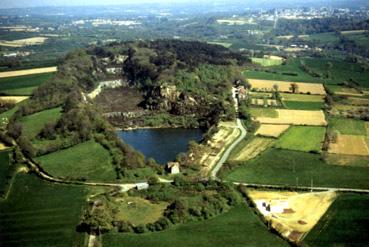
(339, 72)
(347, 126)
(238, 227)
(33, 124)
(87, 160)
(344, 224)
(301, 105)
(302, 138)
(285, 167)
(6, 171)
(23, 85)
(38, 213)
(263, 112)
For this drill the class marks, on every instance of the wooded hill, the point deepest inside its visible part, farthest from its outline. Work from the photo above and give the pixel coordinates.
(175, 77)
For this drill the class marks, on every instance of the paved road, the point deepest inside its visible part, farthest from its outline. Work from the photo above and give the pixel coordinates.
(302, 188)
(225, 156)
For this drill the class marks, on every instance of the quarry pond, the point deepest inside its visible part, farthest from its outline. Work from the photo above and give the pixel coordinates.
(161, 144)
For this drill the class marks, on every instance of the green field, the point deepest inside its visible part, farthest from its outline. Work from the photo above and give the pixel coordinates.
(33, 124)
(344, 224)
(263, 112)
(324, 38)
(300, 105)
(341, 71)
(283, 167)
(302, 97)
(86, 160)
(347, 126)
(302, 138)
(266, 61)
(238, 227)
(38, 213)
(23, 85)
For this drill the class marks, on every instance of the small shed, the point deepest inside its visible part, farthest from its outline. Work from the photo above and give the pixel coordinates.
(173, 167)
(142, 186)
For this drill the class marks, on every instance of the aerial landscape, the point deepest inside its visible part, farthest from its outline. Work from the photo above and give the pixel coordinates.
(205, 123)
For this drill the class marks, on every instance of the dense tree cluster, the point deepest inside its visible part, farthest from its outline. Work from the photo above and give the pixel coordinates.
(319, 25)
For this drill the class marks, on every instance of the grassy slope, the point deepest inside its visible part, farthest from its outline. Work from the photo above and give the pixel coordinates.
(23, 85)
(89, 160)
(276, 166)
(239, 227)
(345, 223)
(39, 213)
(33, 124)
(302, 138)
(347, 126)
(5, 170)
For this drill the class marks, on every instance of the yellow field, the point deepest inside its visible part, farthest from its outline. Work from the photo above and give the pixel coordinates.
(351, 145)
(292, 214)
(275, 58)
(346, 160)
(27, 72)
(23, 42)
(15, 99)
(252, 149)
(271, 130)
(3, 147)
(296, 117)
(267, 85)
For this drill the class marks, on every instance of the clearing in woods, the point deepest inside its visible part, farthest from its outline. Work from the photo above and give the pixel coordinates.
(292, 214)
(271, 130)
(137, 210)
(249, 151)
(350, 145)
(296, 117)
(27, 72)
(283, 86)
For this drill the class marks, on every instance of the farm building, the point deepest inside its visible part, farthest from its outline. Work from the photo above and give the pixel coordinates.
(173, 167)
(142, 186)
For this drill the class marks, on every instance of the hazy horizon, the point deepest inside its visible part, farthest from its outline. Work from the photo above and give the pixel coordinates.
(7, 4)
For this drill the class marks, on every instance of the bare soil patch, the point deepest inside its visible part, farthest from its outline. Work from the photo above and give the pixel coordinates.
(350, 145)
(304, 210)
(121, 99)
